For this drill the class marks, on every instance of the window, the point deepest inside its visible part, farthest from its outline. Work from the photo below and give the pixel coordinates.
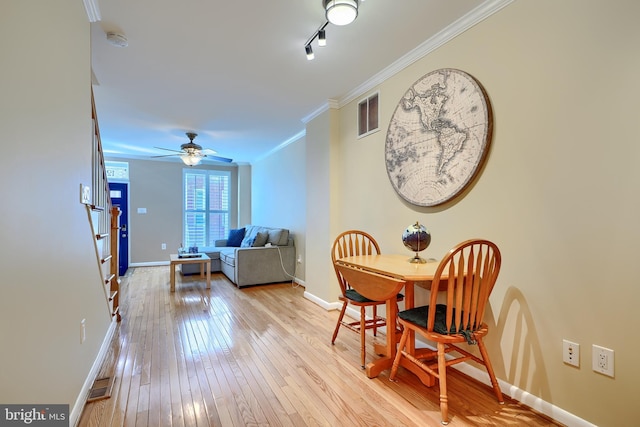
(206, 207)
(368, 115)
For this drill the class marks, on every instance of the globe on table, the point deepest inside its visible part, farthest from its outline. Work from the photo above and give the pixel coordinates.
(416, 238)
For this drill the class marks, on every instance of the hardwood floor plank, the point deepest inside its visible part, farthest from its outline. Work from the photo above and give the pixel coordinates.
(261, 356)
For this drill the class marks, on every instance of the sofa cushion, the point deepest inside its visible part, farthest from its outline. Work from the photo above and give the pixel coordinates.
(228, 256)
(235, 237)
(278, 236)
(260, 239)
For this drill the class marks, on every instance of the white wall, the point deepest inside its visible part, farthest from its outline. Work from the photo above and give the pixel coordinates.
(558, 193)
(244, 195)
(278, 195)
(50, 275)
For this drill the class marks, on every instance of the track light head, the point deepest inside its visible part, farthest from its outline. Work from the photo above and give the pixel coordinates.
(322, 38)
(309, 51)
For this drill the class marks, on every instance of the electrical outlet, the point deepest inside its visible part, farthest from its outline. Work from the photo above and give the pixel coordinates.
(602, 360)
(571, 353)
(299, 259)
(164, 246)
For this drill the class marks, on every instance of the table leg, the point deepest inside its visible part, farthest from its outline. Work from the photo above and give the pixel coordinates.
(409, 302)
(374, 368)
(172, 276)
(424, 377)
(208, 274)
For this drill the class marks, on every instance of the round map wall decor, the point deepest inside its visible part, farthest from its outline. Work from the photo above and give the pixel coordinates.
(438, 137)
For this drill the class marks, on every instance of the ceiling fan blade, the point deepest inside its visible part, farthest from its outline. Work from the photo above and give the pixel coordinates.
(192, 149)
(168, 149)
(220, 159)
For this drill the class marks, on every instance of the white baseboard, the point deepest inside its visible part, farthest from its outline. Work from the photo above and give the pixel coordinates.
(148, 264)
(75, 413)
(524, 397)
(322, 303)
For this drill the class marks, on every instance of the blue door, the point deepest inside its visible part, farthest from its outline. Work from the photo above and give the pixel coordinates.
(119, 197)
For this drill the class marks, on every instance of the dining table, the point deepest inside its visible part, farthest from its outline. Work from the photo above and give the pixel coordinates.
(413, 274)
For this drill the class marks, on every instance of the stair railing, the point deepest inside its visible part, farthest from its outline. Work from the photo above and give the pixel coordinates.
(105, 222)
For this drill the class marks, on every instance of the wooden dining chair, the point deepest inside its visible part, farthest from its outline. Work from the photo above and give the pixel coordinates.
(464, 280)
(351, 243)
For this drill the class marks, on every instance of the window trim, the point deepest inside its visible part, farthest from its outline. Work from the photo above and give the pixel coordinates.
(207, 173)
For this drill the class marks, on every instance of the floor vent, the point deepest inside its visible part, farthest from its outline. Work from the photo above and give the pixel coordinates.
(101, 389)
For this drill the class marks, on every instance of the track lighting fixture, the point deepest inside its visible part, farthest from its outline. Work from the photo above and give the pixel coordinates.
(338, 12)
(341, 12)
(322, 40)
(310, 54)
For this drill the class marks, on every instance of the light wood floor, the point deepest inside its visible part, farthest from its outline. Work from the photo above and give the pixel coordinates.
(261, 356)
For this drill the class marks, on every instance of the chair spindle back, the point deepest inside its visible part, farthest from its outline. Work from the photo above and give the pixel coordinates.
(352, 243)
(468, 273)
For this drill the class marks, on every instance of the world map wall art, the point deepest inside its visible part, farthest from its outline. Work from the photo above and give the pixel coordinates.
(438, 137)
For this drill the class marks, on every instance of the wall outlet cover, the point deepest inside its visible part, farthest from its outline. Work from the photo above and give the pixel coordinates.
(603, 360)
(571, 353)
(85, 194)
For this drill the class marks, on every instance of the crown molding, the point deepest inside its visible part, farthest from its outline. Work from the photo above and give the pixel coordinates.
(93, 12)
(479, 14)
(458, 27)
(331, 103)
(294, 138)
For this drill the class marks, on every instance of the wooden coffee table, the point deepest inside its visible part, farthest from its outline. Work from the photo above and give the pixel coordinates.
(202, 259)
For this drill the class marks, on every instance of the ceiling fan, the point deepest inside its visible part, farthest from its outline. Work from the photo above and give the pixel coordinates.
(192, 153)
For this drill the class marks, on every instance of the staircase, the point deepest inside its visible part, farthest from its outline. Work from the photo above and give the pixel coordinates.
(105, 221)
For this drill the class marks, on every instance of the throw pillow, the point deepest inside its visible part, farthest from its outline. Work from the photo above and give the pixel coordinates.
(235, 237)
(275, 236)
(260, 239)
(278, 236)
(249, 237)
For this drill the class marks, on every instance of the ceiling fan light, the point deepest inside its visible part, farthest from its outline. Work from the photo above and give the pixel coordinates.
(191, 159)
(341, 12)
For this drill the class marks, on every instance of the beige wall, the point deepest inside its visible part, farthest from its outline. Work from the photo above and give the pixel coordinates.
(50, 275)
(322, 135)
(157, 186)
(558, 194)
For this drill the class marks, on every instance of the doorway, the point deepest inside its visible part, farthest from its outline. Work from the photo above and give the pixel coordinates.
(119, 192)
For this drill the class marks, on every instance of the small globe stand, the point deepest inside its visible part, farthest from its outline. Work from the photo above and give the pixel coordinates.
(416, 238)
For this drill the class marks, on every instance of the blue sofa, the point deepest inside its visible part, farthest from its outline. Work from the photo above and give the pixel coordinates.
(265, 255)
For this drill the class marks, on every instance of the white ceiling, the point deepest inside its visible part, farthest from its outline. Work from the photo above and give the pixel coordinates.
(236, 73)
